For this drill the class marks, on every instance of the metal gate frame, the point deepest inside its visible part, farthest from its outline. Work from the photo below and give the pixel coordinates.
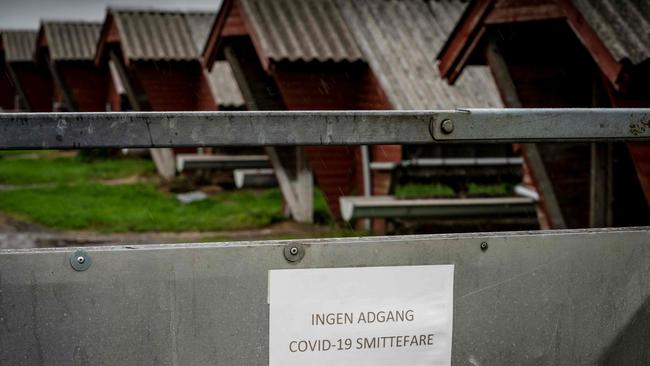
(561, 297)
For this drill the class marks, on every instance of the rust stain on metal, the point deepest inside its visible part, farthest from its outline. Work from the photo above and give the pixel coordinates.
(639, 128)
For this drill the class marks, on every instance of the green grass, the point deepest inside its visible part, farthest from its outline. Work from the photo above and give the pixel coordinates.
(140, 208)
(58, 170)
(424, 190)
(27, 153)
(489, 190)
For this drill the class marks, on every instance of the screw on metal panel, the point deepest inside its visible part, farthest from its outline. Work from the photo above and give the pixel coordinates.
(80, 260)
(294, 252)
(447, 126)
(484, 246)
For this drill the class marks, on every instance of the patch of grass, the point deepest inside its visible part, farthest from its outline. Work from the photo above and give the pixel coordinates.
(140, 208)
(322, 214)
(424, 190)
(10, 154)
(489, 190)
(58, 170)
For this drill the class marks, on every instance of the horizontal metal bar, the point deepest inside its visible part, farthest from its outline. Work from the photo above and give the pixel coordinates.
(353, 207)
(446, 162)
(561, 297)
(539, 125)
(221, 162)
(200, 129)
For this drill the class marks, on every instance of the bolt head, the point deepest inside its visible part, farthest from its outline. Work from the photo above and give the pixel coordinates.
(293, 251)
(81, 259)
(447, 126)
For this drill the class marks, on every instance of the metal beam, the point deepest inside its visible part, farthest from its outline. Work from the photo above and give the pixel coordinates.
(202, 129)
(543, 296)
(546, 125)
(354, 207)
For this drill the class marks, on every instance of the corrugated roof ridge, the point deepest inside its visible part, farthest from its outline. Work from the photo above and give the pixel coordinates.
(71, 40)
(19, 44)
(283, 33)
(153, 33)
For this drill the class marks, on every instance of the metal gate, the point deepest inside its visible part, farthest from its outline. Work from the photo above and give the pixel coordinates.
(561, 297)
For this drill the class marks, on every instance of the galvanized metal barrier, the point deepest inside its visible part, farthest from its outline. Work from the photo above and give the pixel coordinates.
(547, 297)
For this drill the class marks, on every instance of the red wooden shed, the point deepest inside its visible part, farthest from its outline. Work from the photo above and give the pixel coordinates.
(30, 79)
(153, 59)
(8, 96)
(567, 53)
(68, 50)
(345, 55)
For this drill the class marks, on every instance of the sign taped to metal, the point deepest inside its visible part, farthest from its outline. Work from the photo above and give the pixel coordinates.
(361, 316)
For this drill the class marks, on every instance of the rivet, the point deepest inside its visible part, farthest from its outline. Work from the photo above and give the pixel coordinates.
(484, 246)
(447, 126)
(294, 252)
(80, 260)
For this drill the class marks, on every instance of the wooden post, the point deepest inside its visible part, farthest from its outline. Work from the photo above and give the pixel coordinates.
(290, 164)
(511, 99)
(163, 158)
(68, 98)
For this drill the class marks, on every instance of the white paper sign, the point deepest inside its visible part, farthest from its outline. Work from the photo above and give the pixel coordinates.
(361, 316)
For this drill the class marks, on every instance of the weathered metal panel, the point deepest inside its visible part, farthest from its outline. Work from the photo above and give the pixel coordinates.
(561, 297)
(198, 129)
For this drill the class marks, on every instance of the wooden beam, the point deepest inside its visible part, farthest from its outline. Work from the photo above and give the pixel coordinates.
(19, 88)
(510, 97)
(212, 45)
(290, 164)
(463, 39)
(68, 98)
(163, 158)
(525, 13)
(115, 63)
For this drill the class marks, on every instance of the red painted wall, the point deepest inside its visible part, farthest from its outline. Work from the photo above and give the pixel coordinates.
(318, 86)
(37, 85)
(7, 91)
(174, 86)
(88, 85)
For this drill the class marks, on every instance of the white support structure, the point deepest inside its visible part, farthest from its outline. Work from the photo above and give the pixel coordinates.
(297, 184)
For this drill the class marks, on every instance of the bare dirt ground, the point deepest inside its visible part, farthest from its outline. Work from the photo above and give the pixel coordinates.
(15, 234)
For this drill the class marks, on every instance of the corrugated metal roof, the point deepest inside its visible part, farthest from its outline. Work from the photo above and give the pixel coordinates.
(19, 45)
(200, 24)
(623, 25)
(154, 35)
(223, 85)
(400, 40)
(72, 40)
(307, 30)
